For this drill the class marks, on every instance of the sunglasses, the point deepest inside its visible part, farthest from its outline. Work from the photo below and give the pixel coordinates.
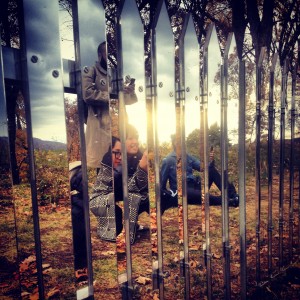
(117, 154)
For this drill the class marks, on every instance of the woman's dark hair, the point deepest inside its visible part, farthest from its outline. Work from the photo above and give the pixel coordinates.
(107, 156)
(114, 139)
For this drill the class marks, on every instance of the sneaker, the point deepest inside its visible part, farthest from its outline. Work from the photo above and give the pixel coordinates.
(234, 201)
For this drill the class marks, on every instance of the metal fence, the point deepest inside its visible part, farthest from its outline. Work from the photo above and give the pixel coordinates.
(185, 85)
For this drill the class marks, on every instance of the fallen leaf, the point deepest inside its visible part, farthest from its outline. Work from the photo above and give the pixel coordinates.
(217, 256)
(45, 266)
(53, 293)
(108, 253)
(155, 297)
(143, 280)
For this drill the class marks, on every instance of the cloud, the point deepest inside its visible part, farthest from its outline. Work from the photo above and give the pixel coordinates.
(46, 91)
(91, 30)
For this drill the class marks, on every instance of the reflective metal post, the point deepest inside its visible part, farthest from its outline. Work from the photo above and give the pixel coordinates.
(204, 104)
(257, 158)
(281, 162)
(270, 161)
(128, 285)
(292, 162)
(152, 142)
(82, 148)
(242, 177)
(6, 196)
(224, 168)
(153, 86)
(26, 90)
(180, 100)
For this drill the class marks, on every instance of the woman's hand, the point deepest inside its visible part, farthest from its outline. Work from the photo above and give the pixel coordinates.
(144, 161)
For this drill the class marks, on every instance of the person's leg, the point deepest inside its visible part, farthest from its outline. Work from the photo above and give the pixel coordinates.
(194, 193)
(215, 200)
(79, 236)
(119, 219)
(144, 206)
(167, 201)
(215, 177)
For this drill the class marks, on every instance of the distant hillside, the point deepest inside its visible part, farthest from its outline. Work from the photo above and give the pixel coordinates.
(38, 144)
(48, 145)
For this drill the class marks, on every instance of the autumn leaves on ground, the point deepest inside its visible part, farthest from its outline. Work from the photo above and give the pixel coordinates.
(56, 242)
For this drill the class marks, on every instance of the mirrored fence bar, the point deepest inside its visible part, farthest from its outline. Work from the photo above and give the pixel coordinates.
(148, 151)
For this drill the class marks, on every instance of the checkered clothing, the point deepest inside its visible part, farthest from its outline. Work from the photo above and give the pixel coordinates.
(102, 202)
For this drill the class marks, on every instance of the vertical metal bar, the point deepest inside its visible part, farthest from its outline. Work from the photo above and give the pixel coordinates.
(151, 98)
(122, 128)
(297, 91)
(282, 153)
(180, 99)
(6, 175)
(35, 210)
(224, 169)
(128, 286)
(204, 106)
(257, 159)
(82, 148)
(270, 161)
(292, 157)
(242, 177)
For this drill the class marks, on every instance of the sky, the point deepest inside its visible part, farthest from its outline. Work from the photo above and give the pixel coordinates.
(46, 91)
(43, 58)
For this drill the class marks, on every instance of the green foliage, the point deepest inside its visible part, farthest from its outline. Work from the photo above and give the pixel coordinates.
(192, 143)
(52, 175)
(164, 149)
(214, 138)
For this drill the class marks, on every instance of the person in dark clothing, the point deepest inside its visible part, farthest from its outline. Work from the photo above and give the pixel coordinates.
(78, 221)
(169, 197)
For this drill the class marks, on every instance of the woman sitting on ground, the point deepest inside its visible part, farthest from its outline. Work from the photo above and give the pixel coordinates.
(108, 190)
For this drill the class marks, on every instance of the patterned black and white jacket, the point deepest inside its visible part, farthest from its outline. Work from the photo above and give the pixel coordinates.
(102, 201)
